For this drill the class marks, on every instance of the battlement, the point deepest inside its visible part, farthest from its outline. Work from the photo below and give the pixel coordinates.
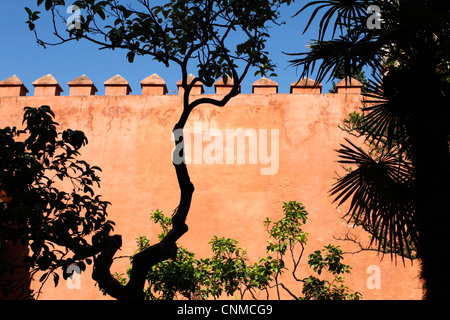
(155, 85)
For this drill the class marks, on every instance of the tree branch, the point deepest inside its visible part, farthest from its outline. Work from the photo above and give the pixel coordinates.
(162, 48)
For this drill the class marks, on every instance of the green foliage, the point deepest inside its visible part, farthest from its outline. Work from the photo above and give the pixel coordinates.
(287, 231)
(57, 224)
(287, 234)
(330, 262)
(223, 273)
(228, 271)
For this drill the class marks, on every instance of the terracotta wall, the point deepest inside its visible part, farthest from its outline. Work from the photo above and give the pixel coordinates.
(130, 139)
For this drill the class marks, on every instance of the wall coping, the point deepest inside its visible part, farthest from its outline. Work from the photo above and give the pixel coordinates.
(13, 86)
(82, 86)
(196, 89)
(47, 86)
(155, 85)
(305, 85)
(265, 86)
(223, 88)
(117, 85)
(349, 85)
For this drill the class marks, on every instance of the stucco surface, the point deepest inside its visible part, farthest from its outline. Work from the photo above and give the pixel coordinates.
(130, 139)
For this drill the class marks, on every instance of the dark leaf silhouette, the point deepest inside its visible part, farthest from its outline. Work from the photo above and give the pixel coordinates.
(381, 198)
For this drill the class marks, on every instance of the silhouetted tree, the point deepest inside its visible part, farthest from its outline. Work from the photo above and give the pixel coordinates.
(61, 227)
(399, 189)
(226, 38)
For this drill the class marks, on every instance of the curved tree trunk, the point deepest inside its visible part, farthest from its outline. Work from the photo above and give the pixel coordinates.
(146, 259)
(167, 248)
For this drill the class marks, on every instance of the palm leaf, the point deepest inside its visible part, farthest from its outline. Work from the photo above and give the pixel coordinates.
(347, 52)
(386, 118)
(344, 12)
(381, 198)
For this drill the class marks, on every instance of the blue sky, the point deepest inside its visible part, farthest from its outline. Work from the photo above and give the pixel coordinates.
(21, 55)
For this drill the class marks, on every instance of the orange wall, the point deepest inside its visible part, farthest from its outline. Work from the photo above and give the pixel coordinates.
(130, 139)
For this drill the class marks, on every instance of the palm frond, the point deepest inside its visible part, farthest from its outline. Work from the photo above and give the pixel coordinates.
(381, 198)
(348, 52)
(387, 112)
(342, 12)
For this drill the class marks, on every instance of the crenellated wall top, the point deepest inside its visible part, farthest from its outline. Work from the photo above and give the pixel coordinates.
(155, 85)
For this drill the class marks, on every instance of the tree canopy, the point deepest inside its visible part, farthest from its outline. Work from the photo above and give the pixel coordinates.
(218, 36)
(62, 226)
